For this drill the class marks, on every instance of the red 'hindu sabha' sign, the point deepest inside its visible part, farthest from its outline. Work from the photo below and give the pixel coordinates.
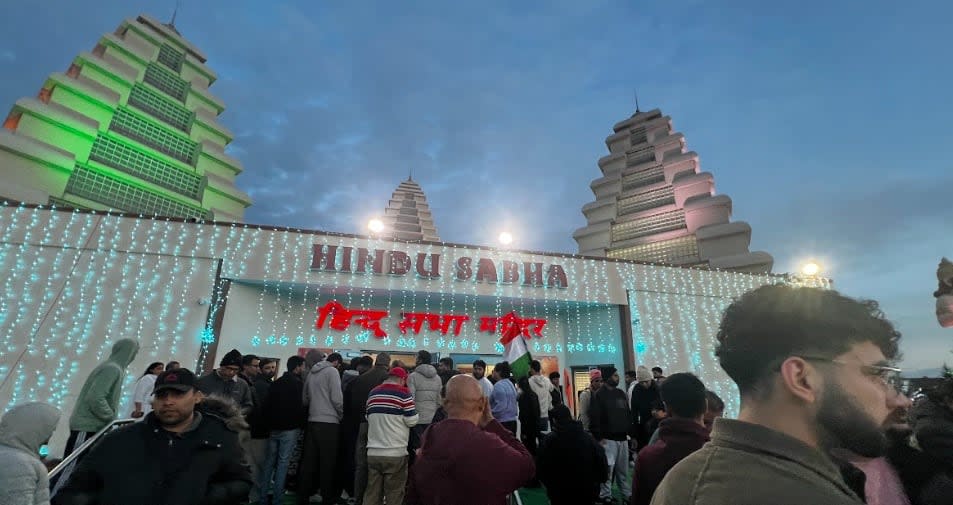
(359, 260)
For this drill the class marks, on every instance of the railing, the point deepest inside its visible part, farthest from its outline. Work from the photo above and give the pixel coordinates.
(61, 473)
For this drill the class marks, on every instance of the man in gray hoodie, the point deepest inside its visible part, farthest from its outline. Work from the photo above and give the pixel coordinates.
(23, 477)
(325, 401)
(98, 402)
(425, 385)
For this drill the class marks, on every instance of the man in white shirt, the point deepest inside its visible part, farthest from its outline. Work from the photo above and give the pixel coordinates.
(479, 373)
(541, 385)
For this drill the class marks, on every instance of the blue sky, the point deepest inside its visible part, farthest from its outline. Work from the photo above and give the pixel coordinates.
(826, 122)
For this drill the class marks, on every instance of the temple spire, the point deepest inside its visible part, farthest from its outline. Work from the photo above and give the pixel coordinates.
(407, 216)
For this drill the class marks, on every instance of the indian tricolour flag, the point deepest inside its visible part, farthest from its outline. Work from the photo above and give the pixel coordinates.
(515, 351)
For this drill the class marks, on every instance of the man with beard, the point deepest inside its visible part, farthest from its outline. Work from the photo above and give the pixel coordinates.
(812, 367)
(609, 422)
(876, 480)
(176, 455)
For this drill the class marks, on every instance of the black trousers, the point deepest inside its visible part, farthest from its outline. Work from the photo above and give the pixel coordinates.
(510, 425)
(76, 439)
(318, 462)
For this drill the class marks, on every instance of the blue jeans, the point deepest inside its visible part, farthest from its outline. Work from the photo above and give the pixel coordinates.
(280, 446)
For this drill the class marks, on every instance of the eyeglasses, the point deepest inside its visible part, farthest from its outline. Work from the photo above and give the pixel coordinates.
(889, 376)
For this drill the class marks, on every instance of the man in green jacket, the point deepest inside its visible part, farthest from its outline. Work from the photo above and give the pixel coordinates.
(98, 401)
(813, 369)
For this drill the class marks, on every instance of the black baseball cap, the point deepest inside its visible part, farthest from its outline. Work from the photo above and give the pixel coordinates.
(180, 380)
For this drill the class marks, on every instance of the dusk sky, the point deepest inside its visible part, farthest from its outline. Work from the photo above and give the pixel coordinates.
(827, 123)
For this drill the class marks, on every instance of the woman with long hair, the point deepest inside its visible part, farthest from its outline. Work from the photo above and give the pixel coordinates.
(142, 393)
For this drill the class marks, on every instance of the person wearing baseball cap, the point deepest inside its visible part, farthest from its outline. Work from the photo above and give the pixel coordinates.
(390, 415)
(199, 458)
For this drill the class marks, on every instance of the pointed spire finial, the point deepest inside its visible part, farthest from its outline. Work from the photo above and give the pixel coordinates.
(410, 175)
(636, 93)
(174, 12)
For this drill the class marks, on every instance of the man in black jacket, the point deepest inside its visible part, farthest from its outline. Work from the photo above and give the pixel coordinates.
(609, 422)
(569, 462)
(176, 455)
(284, 415)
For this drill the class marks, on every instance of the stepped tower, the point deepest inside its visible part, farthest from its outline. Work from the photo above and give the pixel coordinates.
(129, 126)
(407, 216)
(653, 204)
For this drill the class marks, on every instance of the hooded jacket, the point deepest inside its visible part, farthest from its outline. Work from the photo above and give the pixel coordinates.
(322, 394)
(542, 386)
(425, 385)
(205, 465)
(98, 401)
(23, 477)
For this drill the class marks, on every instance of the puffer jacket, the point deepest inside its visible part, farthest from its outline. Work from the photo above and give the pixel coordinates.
(425, 385)
(205, 465)
(23, 477)
(98, 401)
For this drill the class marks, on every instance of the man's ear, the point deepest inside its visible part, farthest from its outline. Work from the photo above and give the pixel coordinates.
(801, 379)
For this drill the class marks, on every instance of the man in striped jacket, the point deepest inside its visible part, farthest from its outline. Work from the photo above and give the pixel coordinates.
(390, 414)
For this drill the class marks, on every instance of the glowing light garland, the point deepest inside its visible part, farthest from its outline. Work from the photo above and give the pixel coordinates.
(101, 277)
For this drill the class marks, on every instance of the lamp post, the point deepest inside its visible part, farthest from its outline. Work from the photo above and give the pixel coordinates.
(376, 226)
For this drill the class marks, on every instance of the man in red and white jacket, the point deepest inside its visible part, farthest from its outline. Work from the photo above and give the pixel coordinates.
(390, 414)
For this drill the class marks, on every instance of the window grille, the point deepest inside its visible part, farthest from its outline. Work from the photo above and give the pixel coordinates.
(646, 200)
(643, 155)
(133, 126)
(167, 81)
(161, 107)
(660, 223)
(127, 159)
(638, 136)
(171, 58)
(676, 250)
(645, 177)
(86, 183)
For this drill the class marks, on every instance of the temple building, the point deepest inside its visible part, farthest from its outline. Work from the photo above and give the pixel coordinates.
(654, 204)
(130, 126)
(407, 216)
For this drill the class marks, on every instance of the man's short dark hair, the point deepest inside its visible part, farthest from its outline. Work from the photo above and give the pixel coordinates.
(658, 369)
(503, 369)
(265, 361)
(172, 364)
(365, 361)
(335, 358)
(684, 395)
(630, 374)
(294, 362)
(383, 358)
(354, 362)
(479, 364)
(715, 403)
(535, 366)
(424, 357)
(248, 358)
(768, 325)
(553, 375)
(447, 362)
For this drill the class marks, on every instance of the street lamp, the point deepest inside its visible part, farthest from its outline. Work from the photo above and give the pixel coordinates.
(506, 238)
(375, 225)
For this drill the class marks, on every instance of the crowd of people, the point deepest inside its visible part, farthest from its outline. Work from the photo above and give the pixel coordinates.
(821, 420)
